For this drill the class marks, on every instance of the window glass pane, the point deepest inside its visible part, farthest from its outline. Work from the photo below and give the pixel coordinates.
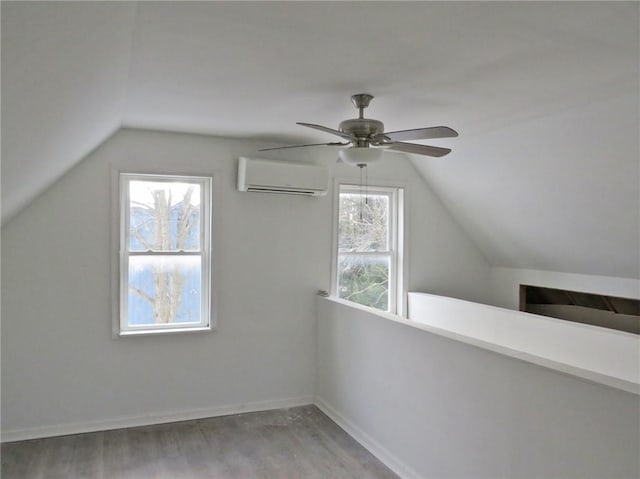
(363, 223)
(164, 216)
(364, 279)
(164, 290)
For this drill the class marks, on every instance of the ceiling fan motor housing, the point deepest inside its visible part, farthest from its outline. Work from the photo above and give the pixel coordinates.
(362, 128)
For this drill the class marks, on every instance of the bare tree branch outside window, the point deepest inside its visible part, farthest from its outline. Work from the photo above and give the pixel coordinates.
(165, 219)
(363, 227)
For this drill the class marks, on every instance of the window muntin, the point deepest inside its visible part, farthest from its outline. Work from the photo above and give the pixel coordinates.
(368, 260)
(165, 253)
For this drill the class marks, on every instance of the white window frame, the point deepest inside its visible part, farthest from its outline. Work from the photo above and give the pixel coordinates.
(397, 246)
(122, 326)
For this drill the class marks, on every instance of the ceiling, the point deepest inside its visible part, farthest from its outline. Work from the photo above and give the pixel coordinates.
(545, 96)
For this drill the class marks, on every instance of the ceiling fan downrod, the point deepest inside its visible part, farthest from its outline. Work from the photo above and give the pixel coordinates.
(362, 129)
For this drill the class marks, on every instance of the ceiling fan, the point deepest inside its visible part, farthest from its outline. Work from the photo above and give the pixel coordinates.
(366, 138)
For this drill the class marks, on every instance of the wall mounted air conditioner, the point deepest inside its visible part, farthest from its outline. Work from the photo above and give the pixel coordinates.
(266, 176)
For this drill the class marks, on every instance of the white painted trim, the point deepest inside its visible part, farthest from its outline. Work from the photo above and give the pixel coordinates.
(335, 194)
(373, 446)
(151, 419)
(403, 253)
(120, 263)
(398, 275)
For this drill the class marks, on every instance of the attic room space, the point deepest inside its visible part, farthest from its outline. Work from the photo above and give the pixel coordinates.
(376, 319)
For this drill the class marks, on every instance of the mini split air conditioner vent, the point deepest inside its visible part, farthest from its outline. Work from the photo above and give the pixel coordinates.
(265, 176)
(288, 191)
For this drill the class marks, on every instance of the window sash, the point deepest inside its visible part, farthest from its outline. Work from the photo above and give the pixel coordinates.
(163, 253)
(204, 252)
(391, 300)
(394, 241)
(390, 193)
(205, 199)
(366, 253)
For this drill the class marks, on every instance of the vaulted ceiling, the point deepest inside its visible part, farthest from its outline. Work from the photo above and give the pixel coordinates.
(545, 96)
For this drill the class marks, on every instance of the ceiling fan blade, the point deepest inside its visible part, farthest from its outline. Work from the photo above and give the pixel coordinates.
(422, 133)
(419, 149)
(342, 134)
(302, 146)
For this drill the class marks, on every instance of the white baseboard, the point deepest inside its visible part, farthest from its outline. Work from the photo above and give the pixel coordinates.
(373, 446)
(150, 419)
(363, 438)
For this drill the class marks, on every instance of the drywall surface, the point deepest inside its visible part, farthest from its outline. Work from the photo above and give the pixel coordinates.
(62, 371)
(65, 70)
(505, 284)
(598, 354)
(432, 407)
(595, 317)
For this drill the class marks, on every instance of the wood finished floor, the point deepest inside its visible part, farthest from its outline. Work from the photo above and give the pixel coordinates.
(297, 443)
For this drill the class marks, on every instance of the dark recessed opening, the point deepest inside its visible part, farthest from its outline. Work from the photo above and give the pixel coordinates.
(610, 312)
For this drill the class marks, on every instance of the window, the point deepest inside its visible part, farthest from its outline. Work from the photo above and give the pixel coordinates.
(165, 253)
(368, 256)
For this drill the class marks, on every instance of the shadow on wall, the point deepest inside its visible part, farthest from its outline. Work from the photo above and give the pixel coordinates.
(611, 312)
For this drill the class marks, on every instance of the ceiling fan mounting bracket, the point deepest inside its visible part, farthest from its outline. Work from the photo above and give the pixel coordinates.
(361, 101)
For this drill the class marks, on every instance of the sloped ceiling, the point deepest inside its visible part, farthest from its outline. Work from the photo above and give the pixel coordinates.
(545, 95)
(64, 75)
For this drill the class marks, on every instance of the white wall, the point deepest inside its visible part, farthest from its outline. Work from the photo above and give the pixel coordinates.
(441, 257)
(602, 355)
(434, 407)
(505, 284)
(63, 372)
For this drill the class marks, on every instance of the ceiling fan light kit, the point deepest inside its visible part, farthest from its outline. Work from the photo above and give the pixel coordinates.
(366, 139)
(359, 156)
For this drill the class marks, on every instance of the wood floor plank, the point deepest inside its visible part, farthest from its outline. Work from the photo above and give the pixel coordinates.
(289, 443)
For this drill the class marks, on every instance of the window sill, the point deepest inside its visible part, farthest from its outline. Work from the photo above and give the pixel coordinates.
(161, 332)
